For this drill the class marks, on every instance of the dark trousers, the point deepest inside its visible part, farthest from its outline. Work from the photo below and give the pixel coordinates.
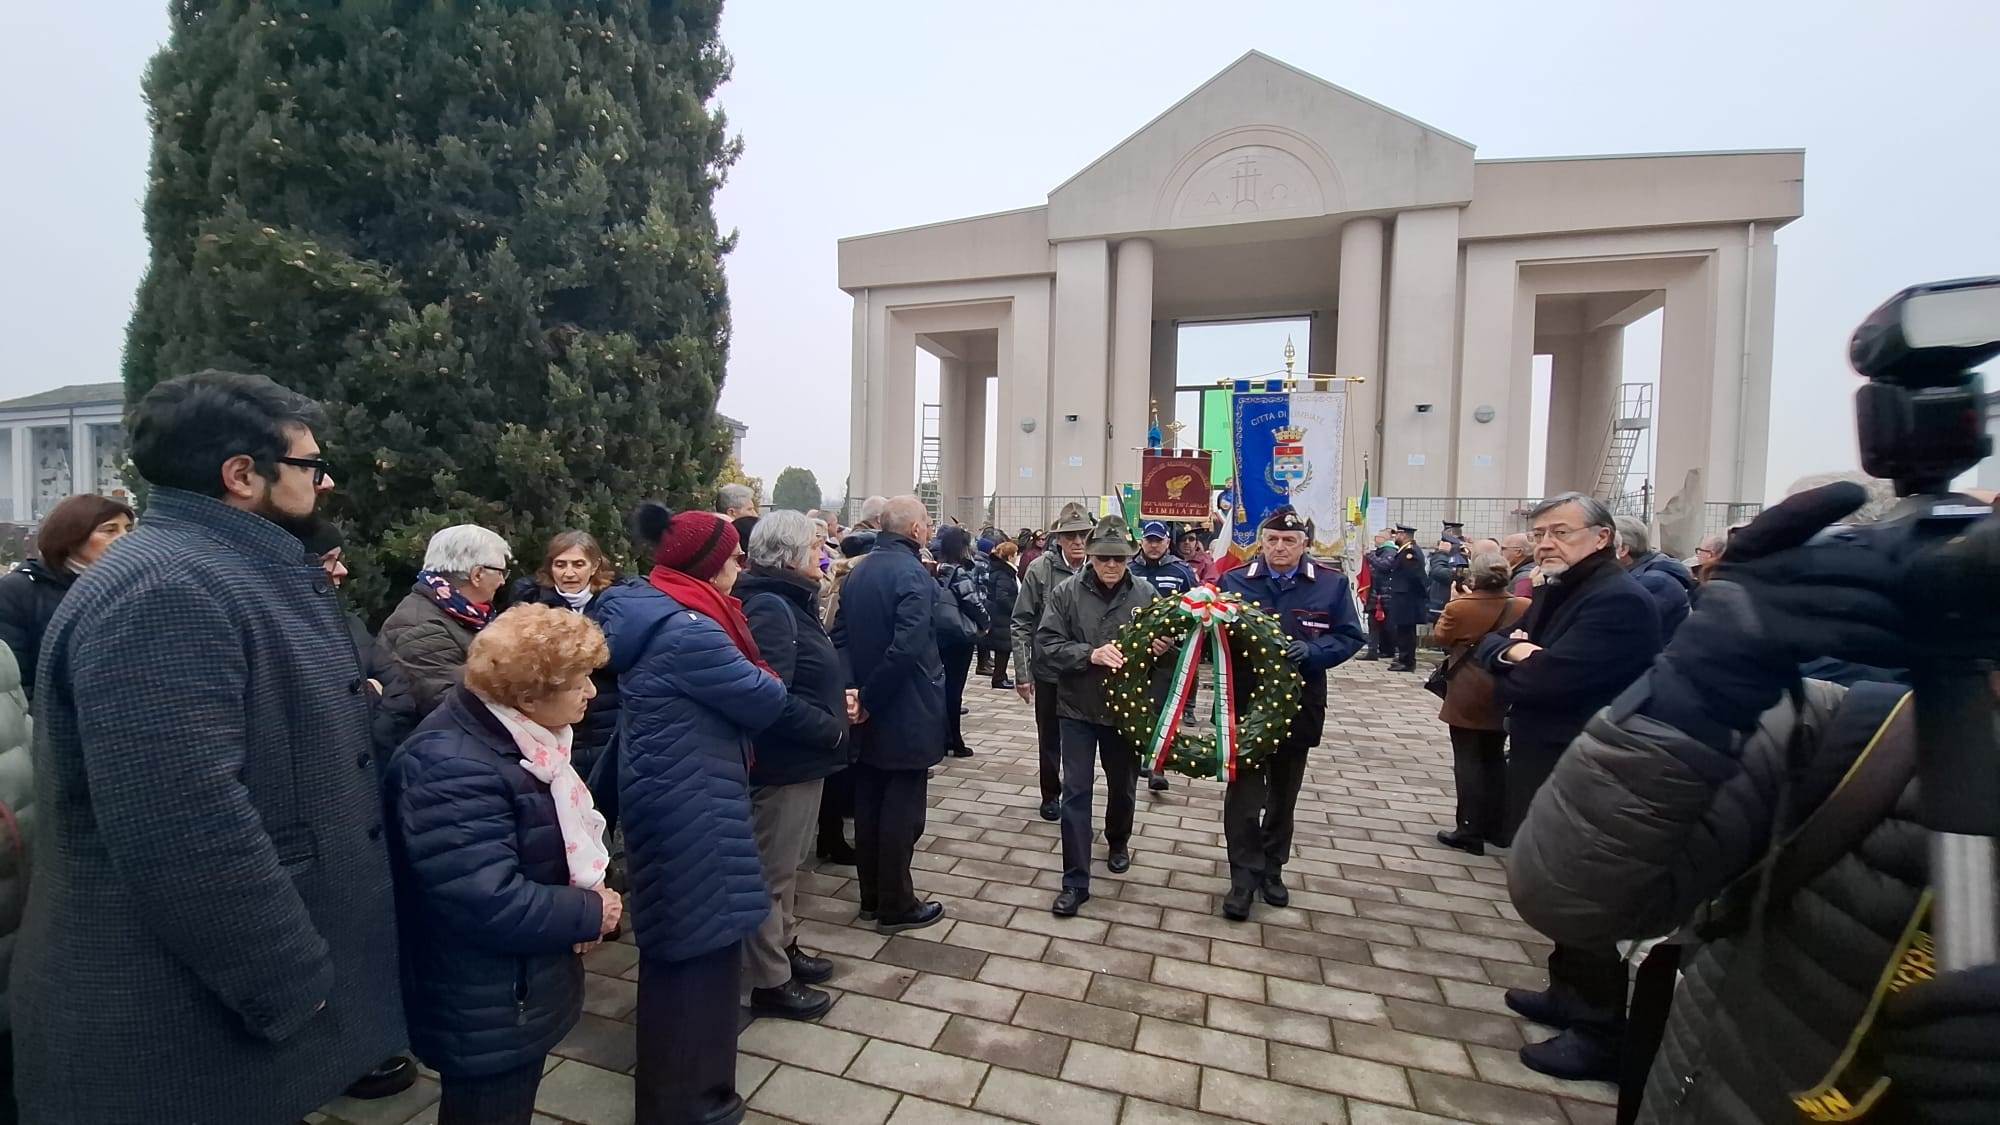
(687, 1040)
(1529, 764)
(1378, 640)
(1257, 811)
(957, 669)
(1084, 747)
(506, 1098)
(1404, 640)
(836, 804)
(1048, 729)
(603, 786)
(1479, 772)
(1594, 983)
(888, 818)
(9, 1113)
(1000, 666)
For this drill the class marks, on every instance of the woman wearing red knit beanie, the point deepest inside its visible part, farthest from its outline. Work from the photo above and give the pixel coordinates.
(695, 690)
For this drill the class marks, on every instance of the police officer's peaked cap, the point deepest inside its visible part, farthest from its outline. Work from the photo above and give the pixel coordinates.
(1071, 518)
(1110, 539)
(1404, 528)
(1284, 519)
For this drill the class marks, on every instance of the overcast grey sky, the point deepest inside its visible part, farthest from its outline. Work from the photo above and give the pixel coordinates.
(887, 113)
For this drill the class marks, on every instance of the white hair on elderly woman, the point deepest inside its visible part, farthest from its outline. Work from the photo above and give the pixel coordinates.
(783, 541)
(455, 551)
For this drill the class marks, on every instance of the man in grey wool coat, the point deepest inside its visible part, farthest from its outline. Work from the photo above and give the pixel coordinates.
(210, 929)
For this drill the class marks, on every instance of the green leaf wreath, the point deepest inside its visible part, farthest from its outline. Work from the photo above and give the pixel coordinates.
(1238, 639)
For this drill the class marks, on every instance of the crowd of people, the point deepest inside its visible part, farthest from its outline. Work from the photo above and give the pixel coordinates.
(271, 852)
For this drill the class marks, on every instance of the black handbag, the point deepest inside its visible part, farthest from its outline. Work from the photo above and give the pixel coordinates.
(1440, 677)
(954, 627)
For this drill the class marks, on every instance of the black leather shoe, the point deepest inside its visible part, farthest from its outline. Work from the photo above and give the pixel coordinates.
(1274, 889)
(1157, 783)
(791, 1000)
(965, 710)
(1574, 1056)
(1236, 904)
(1119, 861)
(926, 914)
(807, 969)
(841, 853)
(866, 915)
(386, 1081)
(959, 751)
(1068, 901)
(1004, 685)
(1545, 1008)
(1369, 656)
(1462, 840)
(1400, 667)
(1051, 810)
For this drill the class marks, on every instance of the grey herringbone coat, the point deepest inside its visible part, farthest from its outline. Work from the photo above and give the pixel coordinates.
(210, 931)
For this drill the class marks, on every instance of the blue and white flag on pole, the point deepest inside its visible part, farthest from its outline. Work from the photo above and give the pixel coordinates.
(1288, 450)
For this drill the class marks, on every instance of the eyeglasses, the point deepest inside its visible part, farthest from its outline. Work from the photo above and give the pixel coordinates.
(500, 570)
(1564, 533)
(320, 466)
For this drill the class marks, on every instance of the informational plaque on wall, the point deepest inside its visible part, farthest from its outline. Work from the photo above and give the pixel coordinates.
(1173, 484)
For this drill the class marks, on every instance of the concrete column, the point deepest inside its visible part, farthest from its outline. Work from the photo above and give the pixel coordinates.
(1568, 435)
(1078, 381)
(24, 475)
(1685, 395)
(1357, 347)
(895, 452)
(1756, 421)
(1131, 360)
(1021, 460)
(951, 435)
(1421, 355)
(972, 436)
(1601, 371)
(862, 395)
(82, 458)
(1161, 386)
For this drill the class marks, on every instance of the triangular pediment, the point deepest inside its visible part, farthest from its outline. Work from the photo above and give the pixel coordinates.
(1259, 142)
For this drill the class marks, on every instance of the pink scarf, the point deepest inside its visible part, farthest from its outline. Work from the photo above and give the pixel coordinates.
(545, 755)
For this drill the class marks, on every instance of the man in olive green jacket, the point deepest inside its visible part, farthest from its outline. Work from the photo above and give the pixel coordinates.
(1036, 683)
(1078, 642)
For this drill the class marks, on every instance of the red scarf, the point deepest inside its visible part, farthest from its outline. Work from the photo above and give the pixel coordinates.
(704, 598)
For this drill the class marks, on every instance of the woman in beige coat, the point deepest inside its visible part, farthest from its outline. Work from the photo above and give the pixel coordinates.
(1478, 738)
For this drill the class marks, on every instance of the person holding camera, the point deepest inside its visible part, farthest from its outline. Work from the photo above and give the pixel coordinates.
(1812, 990)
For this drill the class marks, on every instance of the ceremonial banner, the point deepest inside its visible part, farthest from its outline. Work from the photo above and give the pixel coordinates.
(1173, 485)
(1288, 448)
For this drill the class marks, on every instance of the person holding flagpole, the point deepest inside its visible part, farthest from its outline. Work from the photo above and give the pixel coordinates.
(1314, 608)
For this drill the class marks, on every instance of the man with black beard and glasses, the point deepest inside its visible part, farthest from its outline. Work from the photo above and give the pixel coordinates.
(209, 931)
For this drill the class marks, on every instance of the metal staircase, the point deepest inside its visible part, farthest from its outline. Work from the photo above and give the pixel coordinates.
(1630, 421)
(930, 463)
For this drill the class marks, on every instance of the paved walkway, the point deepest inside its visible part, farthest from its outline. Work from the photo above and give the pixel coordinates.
(1374, 999)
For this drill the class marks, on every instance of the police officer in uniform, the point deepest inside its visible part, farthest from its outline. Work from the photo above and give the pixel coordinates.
(1157, 566)
(1377, 560)
(1313, 605)
(1408, 599)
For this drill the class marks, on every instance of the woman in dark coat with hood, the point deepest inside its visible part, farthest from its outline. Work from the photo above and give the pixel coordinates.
(72, 536)
(696, 690)
(1000, 584)
(500, 862)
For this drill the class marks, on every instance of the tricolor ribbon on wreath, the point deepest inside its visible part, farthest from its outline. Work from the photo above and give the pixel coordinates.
(1211, 615)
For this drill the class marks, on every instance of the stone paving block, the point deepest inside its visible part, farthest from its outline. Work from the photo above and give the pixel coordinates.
(1255, 1099)
(886, 1019)
(1029, 900)
(1472, 888)
(1340, 1074)
(612, 958)
(1109, 1068)
(1139, 1112)
(913, 1070)
(1016, 1048)
(1266, 962)
(1386, 982)
(1045, 1101)
(1589, 1113)
(981, 911)
(1430, 962)
(1505, 1068)
(1197, 902)
(1202, 1046)
(999, 939)
(1455, 1023)
(1214, 926)
(1184, 946)
(930, 957)
(1326, 1000)
(1071, 1019)
(1366, 1113)
(607, 1043)
(917, 1111)
(857, 943)
(995, 870)
(1364, 929)
(1482, 1101)
(1035, 976)
(871, 978)
(1478, 997)
(810, 1045)
(812, 1098)
(940, 883)
(1405, 915)
(1475, 945)
(971, 998)
(969, 849)
(1286, 1025)
(1384, 1044)
(586, 1094)
(1531, 939)
(1315, 944)
(1147, 999)
(1385, 877)
(609, 996)
(1099, 959)
(1116, 909)
(1507, 974)
(1213, 980)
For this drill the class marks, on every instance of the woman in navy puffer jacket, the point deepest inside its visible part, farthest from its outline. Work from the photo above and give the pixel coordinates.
(499, 861)
(695, 691)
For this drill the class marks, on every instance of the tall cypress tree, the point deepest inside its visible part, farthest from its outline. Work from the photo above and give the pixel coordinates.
(481, 233)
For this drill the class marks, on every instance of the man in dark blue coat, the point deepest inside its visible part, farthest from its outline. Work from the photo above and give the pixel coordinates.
(1665, 580)
(1317, 613)
(1406, 598)
(1591, 632)
(886, 634)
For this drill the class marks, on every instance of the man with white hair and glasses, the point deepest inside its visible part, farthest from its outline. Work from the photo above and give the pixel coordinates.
(422, 646)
